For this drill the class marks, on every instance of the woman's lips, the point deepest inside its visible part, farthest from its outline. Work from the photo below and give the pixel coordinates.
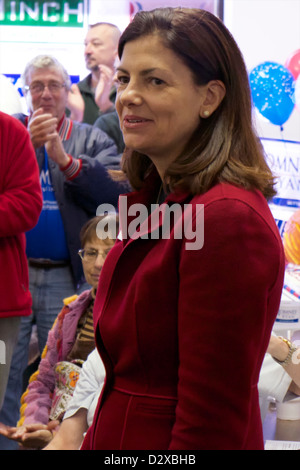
(133, 122)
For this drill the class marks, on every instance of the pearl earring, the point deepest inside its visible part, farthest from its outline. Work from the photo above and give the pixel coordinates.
(206, 113)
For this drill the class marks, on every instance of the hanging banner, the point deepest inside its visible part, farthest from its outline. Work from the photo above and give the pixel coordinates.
(29, 28)
(283, 158)
(31, 13)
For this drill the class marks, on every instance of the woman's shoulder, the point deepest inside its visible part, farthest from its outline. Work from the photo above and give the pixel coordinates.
(232, 202)
(225, 194)
(73, 303)
(78, 300)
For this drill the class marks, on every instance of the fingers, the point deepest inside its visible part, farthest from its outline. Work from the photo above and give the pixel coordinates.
(53, 424)
(75, 90)
(39, 119)
(107, 74)
(108, 71)
(32, 435)
(103, 88)
(42, 127)
(7, 430)
(37, 439)
(35, 427)
(12, 433)
(75, 103)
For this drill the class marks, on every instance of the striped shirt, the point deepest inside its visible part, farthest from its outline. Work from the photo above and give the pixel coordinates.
(86, 332)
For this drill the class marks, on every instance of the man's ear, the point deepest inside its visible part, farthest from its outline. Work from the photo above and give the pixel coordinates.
(214, 92)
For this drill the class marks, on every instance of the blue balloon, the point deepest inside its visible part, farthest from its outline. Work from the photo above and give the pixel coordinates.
(272, 86)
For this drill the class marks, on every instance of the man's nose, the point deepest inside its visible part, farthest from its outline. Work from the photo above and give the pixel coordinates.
(87, 49)
(46, 91)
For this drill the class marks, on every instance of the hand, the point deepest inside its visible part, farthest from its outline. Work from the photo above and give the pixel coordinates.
(7, 431)
(56, 151)
(278, 348)
(103, 88)
(75, 103)
(42, 127)
(34, 436)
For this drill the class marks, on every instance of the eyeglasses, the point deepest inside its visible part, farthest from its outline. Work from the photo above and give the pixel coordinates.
(38, 88)
(90, 255)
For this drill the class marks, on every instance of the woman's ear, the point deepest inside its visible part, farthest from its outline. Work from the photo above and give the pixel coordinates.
(214, 92)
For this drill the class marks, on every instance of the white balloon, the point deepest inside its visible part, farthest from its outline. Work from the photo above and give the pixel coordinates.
(10, 98)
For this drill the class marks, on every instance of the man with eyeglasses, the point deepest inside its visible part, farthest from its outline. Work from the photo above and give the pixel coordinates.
(74, 160)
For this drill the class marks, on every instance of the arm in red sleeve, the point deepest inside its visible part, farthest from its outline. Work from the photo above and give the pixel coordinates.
(20, 191)
(228, 299)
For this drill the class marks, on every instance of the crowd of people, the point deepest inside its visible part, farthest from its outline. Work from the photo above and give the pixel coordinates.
(154, 320)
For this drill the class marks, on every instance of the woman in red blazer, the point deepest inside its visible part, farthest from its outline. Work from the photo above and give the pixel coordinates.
(188, 296)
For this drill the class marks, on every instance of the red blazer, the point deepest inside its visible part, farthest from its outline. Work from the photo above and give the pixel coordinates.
(20, 206)
(183, 333)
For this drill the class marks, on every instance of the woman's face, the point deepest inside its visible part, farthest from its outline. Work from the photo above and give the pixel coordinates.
(158, 102)
(95, 252)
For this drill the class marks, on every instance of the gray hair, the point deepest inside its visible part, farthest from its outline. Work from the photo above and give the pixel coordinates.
(43, 62)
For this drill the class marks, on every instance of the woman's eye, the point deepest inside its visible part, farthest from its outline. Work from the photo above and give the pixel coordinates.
(122, 80)
(156, 81)
(91, 253)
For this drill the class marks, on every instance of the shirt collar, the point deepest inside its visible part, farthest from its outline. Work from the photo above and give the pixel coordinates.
(64, 128)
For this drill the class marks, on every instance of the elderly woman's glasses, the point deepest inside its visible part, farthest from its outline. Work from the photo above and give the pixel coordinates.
(90, 255)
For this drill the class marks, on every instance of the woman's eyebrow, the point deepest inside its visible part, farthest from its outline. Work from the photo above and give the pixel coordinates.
(142, 72)
(120, 69)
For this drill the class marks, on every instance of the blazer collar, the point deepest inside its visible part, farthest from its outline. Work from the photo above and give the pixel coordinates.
(140, 215)
(150, 190)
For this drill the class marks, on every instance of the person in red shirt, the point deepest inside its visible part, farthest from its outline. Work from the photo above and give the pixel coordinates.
(20, 207)
(74, 160)
(188, 295)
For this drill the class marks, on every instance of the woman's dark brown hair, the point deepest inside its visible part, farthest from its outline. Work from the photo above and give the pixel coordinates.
(225, 147)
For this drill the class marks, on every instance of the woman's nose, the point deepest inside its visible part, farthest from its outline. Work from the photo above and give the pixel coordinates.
(99, 260)
(131, 95)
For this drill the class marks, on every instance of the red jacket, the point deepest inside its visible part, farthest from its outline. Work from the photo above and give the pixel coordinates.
(183, 333)
(20, 207)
